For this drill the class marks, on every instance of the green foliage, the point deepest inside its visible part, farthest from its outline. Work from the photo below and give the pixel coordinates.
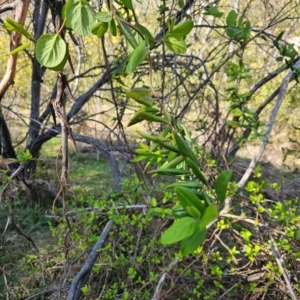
(12, 25)
(192, 197)
(221, 184)
(50, 50)
(19, 49)
(25, 156)
(137, 56)
(182, 228)
(80, 16)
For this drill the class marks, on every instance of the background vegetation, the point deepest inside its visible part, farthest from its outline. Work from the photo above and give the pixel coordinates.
(169, 167)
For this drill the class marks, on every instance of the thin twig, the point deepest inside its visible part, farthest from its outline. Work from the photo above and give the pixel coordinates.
(257, 156)
(281, 266)
(156, 295)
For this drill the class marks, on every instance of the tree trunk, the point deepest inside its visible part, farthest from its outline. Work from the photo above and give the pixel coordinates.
(6, 147)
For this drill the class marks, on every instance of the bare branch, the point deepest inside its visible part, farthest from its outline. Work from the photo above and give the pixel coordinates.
(81, 278)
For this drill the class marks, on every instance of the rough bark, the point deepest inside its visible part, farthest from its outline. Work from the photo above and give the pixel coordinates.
(39, 18)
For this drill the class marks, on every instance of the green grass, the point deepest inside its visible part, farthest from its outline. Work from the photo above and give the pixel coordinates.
(87, 175)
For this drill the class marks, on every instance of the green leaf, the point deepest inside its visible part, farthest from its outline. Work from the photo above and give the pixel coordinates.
(191, 243)
(127, 4)
(128, 34)
(176, 45)
(64, 15)
(203, 196)
(246, 30)
(12, 25)
(19, 49)
(213, 11)
(187, 184)
(221, 184)
(196, 170)
(142, 115)
(170, 172)
(112, 27)
(179, 212)
(103, 17)
(61, 66)
(145, 152)
(237, 112)
(184, 149)
(172, 164)
(50, 50)
(80, 16)
(25, 156)
(231, 18)
(182, 29)
(279, 36)
(181, 3)
(232, 124)
(99, 29)
(148, 36)
(141, 95)
(210, 214)
(188, 199)
(179, 230)
(148, 137)
(137, 57)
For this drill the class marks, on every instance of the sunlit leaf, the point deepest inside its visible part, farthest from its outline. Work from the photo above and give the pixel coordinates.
(103, 17)
(12, 25)
(182, 29)
(210, 214)
(181, 229)
(141, 95)
(61, 66)
(176, 45)
(50, 50)
(19, 49)
(80, 16)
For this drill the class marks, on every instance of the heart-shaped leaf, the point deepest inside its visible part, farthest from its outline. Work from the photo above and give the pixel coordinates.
(80, 16)
(176, 45)
(50, 50)
(103, 16)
